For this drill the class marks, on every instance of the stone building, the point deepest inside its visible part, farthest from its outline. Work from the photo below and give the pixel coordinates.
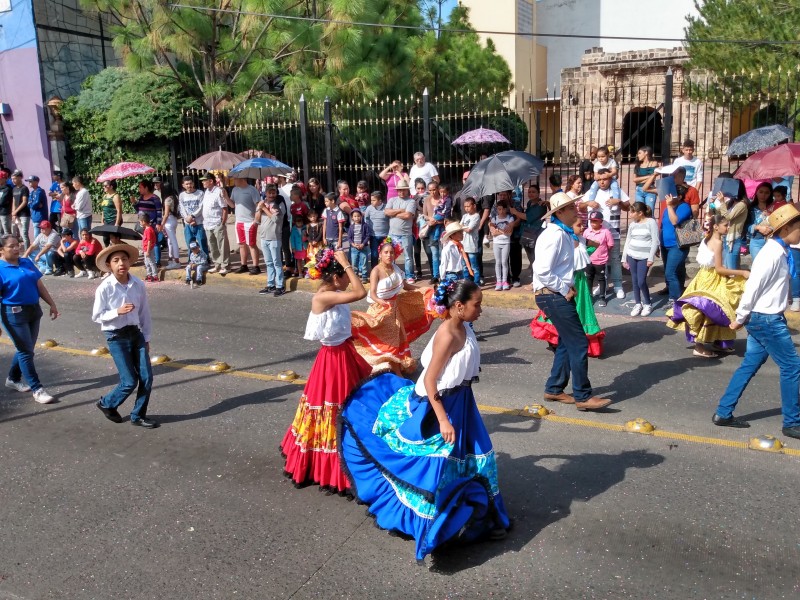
(47, 49)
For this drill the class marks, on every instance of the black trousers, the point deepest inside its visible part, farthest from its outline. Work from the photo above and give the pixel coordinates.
(515, 259)
(600, 272)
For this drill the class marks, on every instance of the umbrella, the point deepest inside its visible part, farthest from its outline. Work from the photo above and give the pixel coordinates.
(758, 139)
(123, 232)
(500, 172)
(216, 161)
(124, 169)
(480, 136)
(778, 161)
(257, 168)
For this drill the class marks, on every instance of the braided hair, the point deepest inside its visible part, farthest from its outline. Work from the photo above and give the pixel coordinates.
(448, 292)
(325, 266)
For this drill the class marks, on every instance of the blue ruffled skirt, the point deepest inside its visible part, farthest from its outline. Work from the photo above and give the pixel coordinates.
(414, 482)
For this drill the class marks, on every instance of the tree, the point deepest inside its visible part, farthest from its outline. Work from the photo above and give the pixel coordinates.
(458, 60)
(743, 20)
(226, 52)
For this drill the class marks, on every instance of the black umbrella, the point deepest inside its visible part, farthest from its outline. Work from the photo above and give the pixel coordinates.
(500, 172)
(125, 233)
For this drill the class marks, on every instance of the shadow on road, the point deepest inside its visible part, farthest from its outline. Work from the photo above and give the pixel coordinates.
(623, 337)
(537, 495)
(264, 396)
(500, 329)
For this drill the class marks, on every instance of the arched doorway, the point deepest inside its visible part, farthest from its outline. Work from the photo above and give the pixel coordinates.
(642, 126)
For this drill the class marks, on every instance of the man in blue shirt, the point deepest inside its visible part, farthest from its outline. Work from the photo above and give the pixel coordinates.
(37, 202)
(55, 196)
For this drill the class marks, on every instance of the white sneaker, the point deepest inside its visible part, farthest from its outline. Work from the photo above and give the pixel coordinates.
(223, 271)
(92, 275)
(795, 307)
(80, 274)
(42, 397)
(637, 310)
(647, 309)
(620, 294)
(212, 270)
(596, 290)
(17, 385)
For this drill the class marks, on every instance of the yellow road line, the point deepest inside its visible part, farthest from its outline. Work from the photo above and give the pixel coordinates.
(486, 408)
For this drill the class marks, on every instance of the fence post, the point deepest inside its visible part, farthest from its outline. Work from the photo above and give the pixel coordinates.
(173, 165)
(666, 140)
(329, 142)
(304, 137)
(426, 125)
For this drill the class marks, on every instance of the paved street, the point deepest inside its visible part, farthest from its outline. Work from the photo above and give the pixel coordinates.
(199, 508)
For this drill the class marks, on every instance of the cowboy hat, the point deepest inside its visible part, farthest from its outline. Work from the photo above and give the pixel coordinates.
(450, 230)
(783, 216)
(559, 201)
(105, 254)
(402, 185)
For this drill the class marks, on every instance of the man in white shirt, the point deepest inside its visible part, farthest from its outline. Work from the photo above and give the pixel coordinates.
(423, 170)
(765, 298)
(611, 202)
(553, 268)
(215, 216)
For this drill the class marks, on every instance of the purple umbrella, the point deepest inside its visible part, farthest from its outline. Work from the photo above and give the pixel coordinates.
(481, 136)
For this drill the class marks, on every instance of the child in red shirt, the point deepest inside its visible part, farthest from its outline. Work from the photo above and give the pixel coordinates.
(148, 246)
(85, 254)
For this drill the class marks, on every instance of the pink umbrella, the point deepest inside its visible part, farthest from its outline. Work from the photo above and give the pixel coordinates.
(777, 161)
(480, 136)
(216, 161)
(124, 169)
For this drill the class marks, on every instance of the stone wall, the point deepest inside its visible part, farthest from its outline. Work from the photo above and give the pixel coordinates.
(73, 44)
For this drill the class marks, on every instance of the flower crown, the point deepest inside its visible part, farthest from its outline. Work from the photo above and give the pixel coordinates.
(317, 265)
(397, 247)
(439, 299)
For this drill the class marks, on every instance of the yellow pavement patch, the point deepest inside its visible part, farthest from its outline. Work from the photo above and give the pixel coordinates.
(284, 377)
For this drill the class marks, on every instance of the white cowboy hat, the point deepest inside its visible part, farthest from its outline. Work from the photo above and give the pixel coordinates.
(450, 230)
(559, 201)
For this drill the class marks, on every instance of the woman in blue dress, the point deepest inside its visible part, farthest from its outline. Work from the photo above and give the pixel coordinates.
(418, 453)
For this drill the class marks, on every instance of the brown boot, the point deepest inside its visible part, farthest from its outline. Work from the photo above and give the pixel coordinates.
(562, 397)
(593, 403)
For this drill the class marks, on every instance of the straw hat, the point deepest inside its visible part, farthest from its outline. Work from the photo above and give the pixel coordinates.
(783, 216)
(105, 253)
(559, 201)
(450, 230)
(402, 185)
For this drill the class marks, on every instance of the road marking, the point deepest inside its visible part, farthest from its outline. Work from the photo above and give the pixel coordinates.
(486, 408)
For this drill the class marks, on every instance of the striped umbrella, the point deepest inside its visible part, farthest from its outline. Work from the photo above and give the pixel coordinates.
(124, 169)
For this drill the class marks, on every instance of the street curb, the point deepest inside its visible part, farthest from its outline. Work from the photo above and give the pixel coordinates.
(491, 298)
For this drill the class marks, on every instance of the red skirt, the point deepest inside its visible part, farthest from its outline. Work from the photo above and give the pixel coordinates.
(542, 329)
(310, 444)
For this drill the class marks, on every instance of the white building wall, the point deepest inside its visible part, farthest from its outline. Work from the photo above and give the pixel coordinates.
(636, 18)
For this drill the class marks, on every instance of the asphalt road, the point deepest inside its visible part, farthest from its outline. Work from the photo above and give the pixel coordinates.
(199, 509)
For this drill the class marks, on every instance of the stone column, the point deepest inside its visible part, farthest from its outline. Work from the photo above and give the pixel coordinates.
(55, 133)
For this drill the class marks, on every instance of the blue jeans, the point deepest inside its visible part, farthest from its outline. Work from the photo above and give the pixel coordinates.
(83, 224)
(756, 244)
(649, 199)
(767, 336)
(433, 250)
(157, 248)
(731, 258)
(639, 280)
(796, 280)
(474, 262)
(45, 263)
(407, 241)
(358, 258)
(675, 269)
(196, 233)
(23, 329)
(572, 352)
(272, 260)
(129, 351)
(199, 270)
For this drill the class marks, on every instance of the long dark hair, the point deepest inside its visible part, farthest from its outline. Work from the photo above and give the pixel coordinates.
(447, 293)
(770, 200)
(648, 152)
(714, 220)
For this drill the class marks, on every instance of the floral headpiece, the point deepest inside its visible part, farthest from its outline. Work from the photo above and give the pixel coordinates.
(439, 298)
(317, 265)
(397, 247)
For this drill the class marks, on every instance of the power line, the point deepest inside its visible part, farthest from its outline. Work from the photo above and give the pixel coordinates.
(485, 32)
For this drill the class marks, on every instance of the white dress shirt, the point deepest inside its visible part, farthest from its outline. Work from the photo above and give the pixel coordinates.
(554, 262)
(111, 294)
(767, 289)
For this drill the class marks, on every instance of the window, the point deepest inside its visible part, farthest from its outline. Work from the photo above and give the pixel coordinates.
(525, 17)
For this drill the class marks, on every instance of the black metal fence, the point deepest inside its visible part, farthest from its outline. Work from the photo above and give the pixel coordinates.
(356, 140)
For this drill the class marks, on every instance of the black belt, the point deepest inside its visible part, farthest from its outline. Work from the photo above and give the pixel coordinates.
(126, 329)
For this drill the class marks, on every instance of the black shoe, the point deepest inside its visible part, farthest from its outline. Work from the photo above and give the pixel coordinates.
(792, 432)
(145, 422)
(199, 283)
(110, 413)
(734, 422)
(59, 273)
(71, 274)
(255, 271)
(188, 281)
(279, 292)
(267, 290)
(601, 303)
(242, 269)
(664, 292)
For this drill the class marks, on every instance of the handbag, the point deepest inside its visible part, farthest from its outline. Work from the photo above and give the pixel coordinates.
(424, 227)
(67, 220)
(689, 233)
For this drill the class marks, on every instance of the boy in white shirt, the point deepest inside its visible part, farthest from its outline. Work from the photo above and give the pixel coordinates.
(692, 164)
(765, 298)
(470, 223)
(453, 261)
